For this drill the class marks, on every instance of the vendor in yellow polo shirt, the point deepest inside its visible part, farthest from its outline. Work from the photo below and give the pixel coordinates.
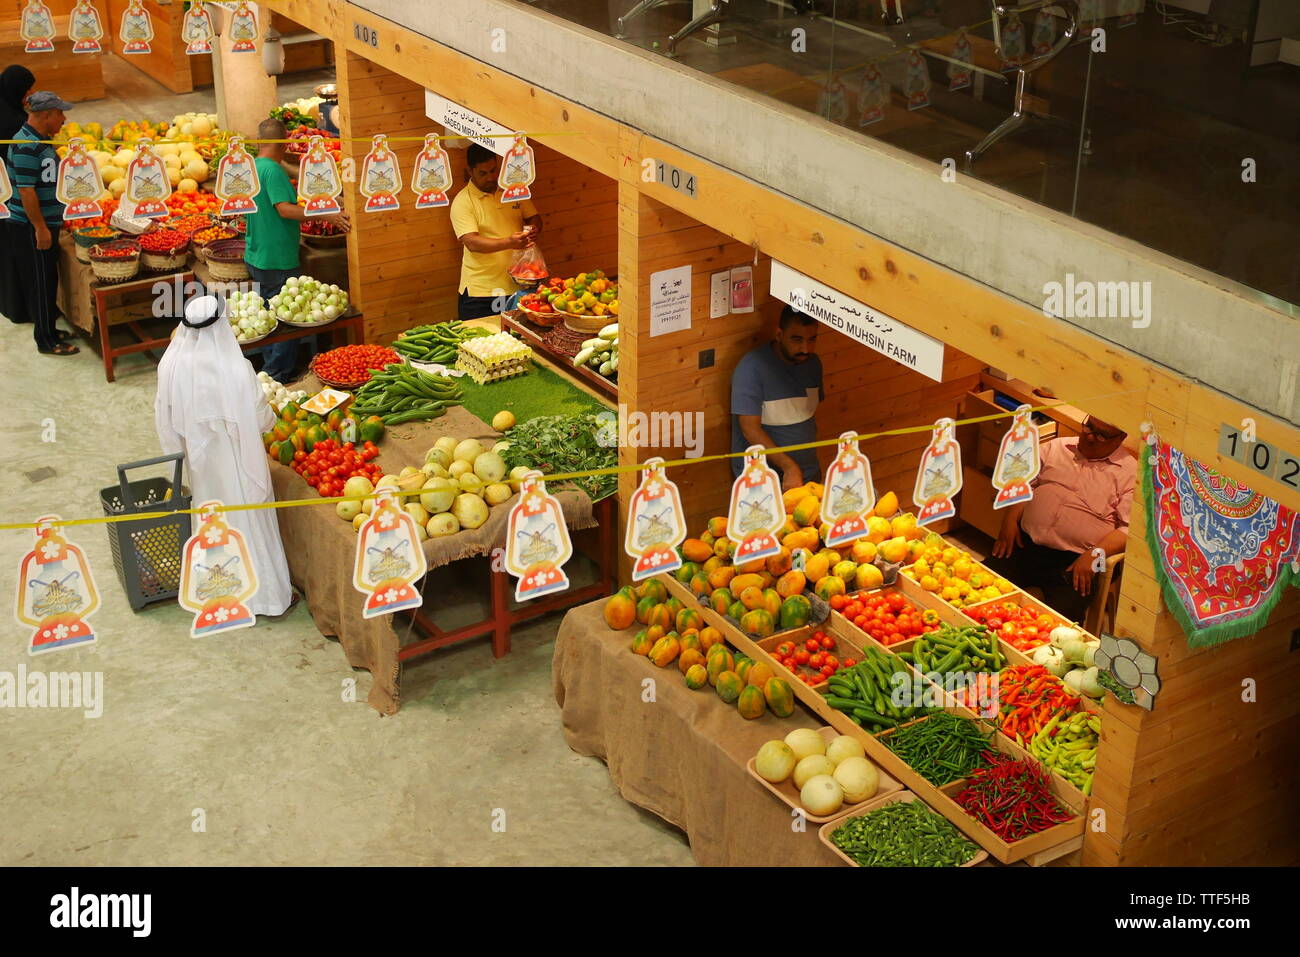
(490, 231)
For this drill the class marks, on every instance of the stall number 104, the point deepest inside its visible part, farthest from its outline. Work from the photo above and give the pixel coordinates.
(653, 171)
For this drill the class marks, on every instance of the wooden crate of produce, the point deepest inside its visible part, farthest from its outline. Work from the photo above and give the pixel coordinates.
(789, 794)
(815, 699)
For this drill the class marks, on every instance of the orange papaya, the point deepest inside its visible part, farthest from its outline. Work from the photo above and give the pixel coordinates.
(708, 539)
(699, 584)
(779, 563)
(643, 608)
(750, 703)
(772, 601)
(742, 669)
(689, 618)
(653, 588)
(741, 582)
(752, 568)
(713, 563)
(718, 526)
(829, 587)
(665, 651)
(723, 548)
(720, 600)
(779, 697)
(808, 512)
(737, 611)
(686, 572)
(718, 664)
(760, 675)
(790, 584)
(694, 550)
(619, 612)
(709, 637)
(752, 597)
(642, 644)
(816, 568)
(688, 659)
(722, 576)
(660, 615)
(690, 639)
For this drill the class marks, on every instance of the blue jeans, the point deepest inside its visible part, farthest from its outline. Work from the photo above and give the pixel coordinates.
(280, 359)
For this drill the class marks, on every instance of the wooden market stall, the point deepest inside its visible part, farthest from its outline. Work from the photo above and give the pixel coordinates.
(74, 76)
(1161, 775)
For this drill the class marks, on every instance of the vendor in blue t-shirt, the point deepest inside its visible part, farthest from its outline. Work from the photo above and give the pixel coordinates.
(774, 395)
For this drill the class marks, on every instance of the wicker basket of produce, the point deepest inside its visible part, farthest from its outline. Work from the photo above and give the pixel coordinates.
(323, 235)
(588, 323)
(117, 261)
(539, 311)
(206, 237)
(164, 250)
(190, 223)
(90, 236)
(225, 259)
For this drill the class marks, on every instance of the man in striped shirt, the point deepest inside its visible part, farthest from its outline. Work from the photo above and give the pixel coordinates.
(35, 217)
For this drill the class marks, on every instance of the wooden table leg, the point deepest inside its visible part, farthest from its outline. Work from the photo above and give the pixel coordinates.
(500, 613)
(105, 349)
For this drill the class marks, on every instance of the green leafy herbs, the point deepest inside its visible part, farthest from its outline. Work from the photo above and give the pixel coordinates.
(567, 443)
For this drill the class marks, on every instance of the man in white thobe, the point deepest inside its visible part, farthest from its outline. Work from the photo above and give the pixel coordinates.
(211, 407)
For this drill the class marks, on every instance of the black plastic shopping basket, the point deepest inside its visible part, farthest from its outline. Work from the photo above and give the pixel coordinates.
(147, 552)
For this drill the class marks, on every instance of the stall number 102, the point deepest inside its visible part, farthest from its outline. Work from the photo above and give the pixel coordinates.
(1266, 459)
(654, 171)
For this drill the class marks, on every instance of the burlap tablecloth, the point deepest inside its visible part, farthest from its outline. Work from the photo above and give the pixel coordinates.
(321, 548)
(74, 295)
(681, 756)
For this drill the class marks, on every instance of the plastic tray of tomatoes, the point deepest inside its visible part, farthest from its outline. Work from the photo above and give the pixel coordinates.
(813, 659)
(886, 615)
(349, 367)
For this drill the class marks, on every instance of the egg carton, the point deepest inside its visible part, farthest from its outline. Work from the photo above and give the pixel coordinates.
(480, 351)
(483, 375)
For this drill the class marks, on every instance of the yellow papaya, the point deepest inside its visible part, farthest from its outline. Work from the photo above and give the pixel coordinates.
(808, 512)
(699, 585)
(653, 588)
(708, 539)
(619, 612)
(754, 567)
(709, 637)
(829, 587)
(696, 677)
(760, 675)
(720, 600)
(690, 639)
(721, 576)
(793, 497)
(752, 597)
(816, 568)
(779, 563)
(757, 623)
(795, 612)
(643, 607)
(689, 618)
(728, 686)
(713, 563)
(772, 601)
(779, 697)
(660, 615)
(718, 526)
(685, 572)
(740, 582)
(642, 644)
(750, 703)
(665, 651)
(743, 665)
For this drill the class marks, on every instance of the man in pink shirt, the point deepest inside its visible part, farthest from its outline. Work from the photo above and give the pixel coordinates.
(1081, 503)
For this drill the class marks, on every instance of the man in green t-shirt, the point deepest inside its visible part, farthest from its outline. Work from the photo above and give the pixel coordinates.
(273, 236)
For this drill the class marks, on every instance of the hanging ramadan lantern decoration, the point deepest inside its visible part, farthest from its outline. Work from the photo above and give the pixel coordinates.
(56, 592)
(390, 559)
(217, 576)
(1018, 462)
(318, 180)
(938, 478)
(146, 182)
(37, 28)
(655, 523)
(85, 28)
(237, 183)
(78, 185)
(1013, 44)
(960, 74)
(381, 177)
(6, 191)
(873, 96)
(757, 512)
(918, 81)
(196, 29)
(243, 29)
(850, 495)
(833, 101)
(537, 541)
(432, 175)
(137, 28)
(518, 170)
(1043, 34)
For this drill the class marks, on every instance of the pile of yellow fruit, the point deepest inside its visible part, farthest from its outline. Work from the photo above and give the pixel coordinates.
(953, 574)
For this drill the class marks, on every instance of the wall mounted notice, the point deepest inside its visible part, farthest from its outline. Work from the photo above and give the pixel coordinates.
(670, 300)
(719, 294)
(460, 121)
(873, 329)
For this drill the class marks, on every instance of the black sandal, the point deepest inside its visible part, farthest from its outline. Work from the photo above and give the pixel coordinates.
(62, 349)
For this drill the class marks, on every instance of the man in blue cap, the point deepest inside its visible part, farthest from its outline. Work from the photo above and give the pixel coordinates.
(35, 217)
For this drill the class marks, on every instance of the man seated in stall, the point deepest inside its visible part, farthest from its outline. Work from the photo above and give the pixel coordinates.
(1059, 539)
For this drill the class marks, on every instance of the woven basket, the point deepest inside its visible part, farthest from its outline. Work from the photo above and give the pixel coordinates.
(165, 262)
(546, 320)
(225, 259)
(82, 244)
(201, 249)
(590, 324)
(108, 269)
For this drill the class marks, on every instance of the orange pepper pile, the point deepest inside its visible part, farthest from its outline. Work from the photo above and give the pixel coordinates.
(213, 233)
(1030, 696)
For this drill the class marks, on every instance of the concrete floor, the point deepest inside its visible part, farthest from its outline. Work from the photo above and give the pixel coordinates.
(251, 728)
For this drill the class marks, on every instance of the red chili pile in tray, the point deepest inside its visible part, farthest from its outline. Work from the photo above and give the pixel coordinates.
(1012, 798)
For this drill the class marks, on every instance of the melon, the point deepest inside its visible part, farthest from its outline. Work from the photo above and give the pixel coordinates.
(200, 126)
(187, 186)
(173, 175)
(196, 170)
(189, 156)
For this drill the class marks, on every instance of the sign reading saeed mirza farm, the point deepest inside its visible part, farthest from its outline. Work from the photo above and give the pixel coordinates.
(873, 329)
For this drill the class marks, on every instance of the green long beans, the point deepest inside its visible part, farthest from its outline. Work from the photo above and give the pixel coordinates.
(438, 342)
(943, 748)
(903, 834)
(400, 393)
